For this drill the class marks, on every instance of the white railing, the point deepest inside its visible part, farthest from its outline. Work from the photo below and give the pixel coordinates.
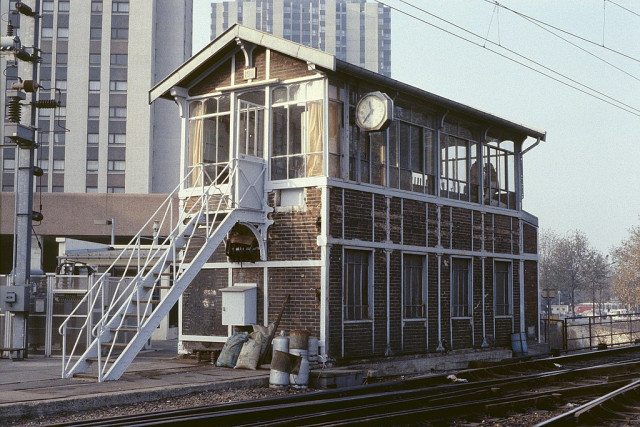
(116, 291)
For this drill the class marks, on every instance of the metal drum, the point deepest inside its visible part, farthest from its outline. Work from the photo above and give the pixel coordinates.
(301, 379)
(279, 374)
(313, 349)
(299, 340)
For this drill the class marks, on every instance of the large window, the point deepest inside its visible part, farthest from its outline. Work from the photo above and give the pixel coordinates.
(413, 286)
(460, 288)
(356, 285)
(251, 123)
(499, 182)
(458, 163)
(297, 128)
(336, 127)
(209, 130)
(502, 288)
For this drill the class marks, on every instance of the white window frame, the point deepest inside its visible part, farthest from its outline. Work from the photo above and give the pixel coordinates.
(469, 290)
(368, 317)
(509, 289)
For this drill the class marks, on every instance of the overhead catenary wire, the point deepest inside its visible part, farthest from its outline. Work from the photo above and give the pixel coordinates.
(569, 33)
(571, 43)
(585, 89)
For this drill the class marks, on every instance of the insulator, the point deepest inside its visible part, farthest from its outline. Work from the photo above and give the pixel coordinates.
(24, 9)
(36, 216)
(14, 110)
(46, 103)
(10, 29)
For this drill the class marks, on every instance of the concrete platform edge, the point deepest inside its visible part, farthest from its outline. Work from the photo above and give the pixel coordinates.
(44, 408)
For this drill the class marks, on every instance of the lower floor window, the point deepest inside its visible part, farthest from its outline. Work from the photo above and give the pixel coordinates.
(413, 286)
(502, 284)
(356, 285)
(460, 288)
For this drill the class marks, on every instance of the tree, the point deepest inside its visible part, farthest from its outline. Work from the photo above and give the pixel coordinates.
(626, 278)
(568, 263)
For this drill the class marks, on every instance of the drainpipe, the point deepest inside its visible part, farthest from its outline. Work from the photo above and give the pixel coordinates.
(439, 255)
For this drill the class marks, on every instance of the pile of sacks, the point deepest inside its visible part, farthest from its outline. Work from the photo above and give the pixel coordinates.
(243, 350)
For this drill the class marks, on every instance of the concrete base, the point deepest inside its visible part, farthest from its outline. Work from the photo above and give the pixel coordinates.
(428, 363)
(336, 378)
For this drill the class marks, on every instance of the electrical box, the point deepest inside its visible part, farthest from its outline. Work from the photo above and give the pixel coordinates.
(14, 298)
(239, 304)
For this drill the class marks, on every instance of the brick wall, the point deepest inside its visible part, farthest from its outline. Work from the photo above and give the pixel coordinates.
(286, 67)
(415, 223)
(461, 228)
(303, 309)
(293, 234)
(358, 223)
(530, 237)
(202, 304)
(531, 294)
(414, 337)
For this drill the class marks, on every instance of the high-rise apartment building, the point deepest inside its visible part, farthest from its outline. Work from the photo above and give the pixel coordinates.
(100, 58)
(355, 31)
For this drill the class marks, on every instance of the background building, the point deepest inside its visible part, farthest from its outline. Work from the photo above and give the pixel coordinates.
(100, 58)
(355, 31)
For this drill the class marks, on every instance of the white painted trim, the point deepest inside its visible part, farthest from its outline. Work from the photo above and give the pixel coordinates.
(360, 244)
(265, 264)
(204, 338)
(324, 277)
(265, 297)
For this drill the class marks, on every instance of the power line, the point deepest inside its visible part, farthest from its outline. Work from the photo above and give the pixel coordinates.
(569, 33)
(622, 7)
(589, 91)
(565, 40)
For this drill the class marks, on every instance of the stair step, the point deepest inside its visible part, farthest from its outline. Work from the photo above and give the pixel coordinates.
(135, 316)
(125, 329)
(116, 345)
(153, 301)
(155, 287)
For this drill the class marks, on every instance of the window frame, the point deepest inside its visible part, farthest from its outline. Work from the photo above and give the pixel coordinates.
(508, 295)
(408, 286)
(461, 309)
(364, 287)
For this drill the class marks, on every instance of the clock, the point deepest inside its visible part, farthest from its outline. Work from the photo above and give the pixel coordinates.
(374, 112)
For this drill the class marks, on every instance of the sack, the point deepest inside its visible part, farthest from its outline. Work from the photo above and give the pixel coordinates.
(266, 332)
(229, 354)
(250, 353)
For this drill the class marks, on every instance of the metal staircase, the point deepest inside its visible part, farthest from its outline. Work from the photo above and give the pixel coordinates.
(129, 300)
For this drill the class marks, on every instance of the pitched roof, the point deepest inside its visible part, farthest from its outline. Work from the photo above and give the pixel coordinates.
(207, 57)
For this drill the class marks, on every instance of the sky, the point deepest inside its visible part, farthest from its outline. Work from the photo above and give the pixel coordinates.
(586, 175)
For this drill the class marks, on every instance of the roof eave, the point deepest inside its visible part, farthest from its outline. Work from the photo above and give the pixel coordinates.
(314, 56)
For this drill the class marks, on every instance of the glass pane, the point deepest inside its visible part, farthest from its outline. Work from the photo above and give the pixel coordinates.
(279, 117)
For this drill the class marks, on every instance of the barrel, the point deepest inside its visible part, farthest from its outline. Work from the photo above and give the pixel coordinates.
(301, 379)
(313, 349)
(279, 375)
(519, 343)
(299, 340)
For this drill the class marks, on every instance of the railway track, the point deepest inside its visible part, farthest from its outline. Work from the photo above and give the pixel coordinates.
(619, 407)
(492, 391)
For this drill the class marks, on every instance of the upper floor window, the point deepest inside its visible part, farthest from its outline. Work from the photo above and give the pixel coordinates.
(119, 59)
(117, 138)
(116, 165)
(499, 175)
(297, 129)
(251, 123)
(120, 7)
(63, 6)
(118, 85)
(63, 33)
(458, 152)
(94, 85)
(209, 131)
(119, 33)
(118, 112)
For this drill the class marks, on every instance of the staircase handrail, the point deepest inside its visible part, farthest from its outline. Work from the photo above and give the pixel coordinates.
(165, 212)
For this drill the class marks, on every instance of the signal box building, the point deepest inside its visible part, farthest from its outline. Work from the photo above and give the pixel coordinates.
(392, 217)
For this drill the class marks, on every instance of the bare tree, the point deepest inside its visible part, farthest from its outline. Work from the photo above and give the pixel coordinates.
(626, 279)
(569, 263)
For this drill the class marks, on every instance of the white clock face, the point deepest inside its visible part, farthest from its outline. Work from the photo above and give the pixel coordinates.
(372, 111)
